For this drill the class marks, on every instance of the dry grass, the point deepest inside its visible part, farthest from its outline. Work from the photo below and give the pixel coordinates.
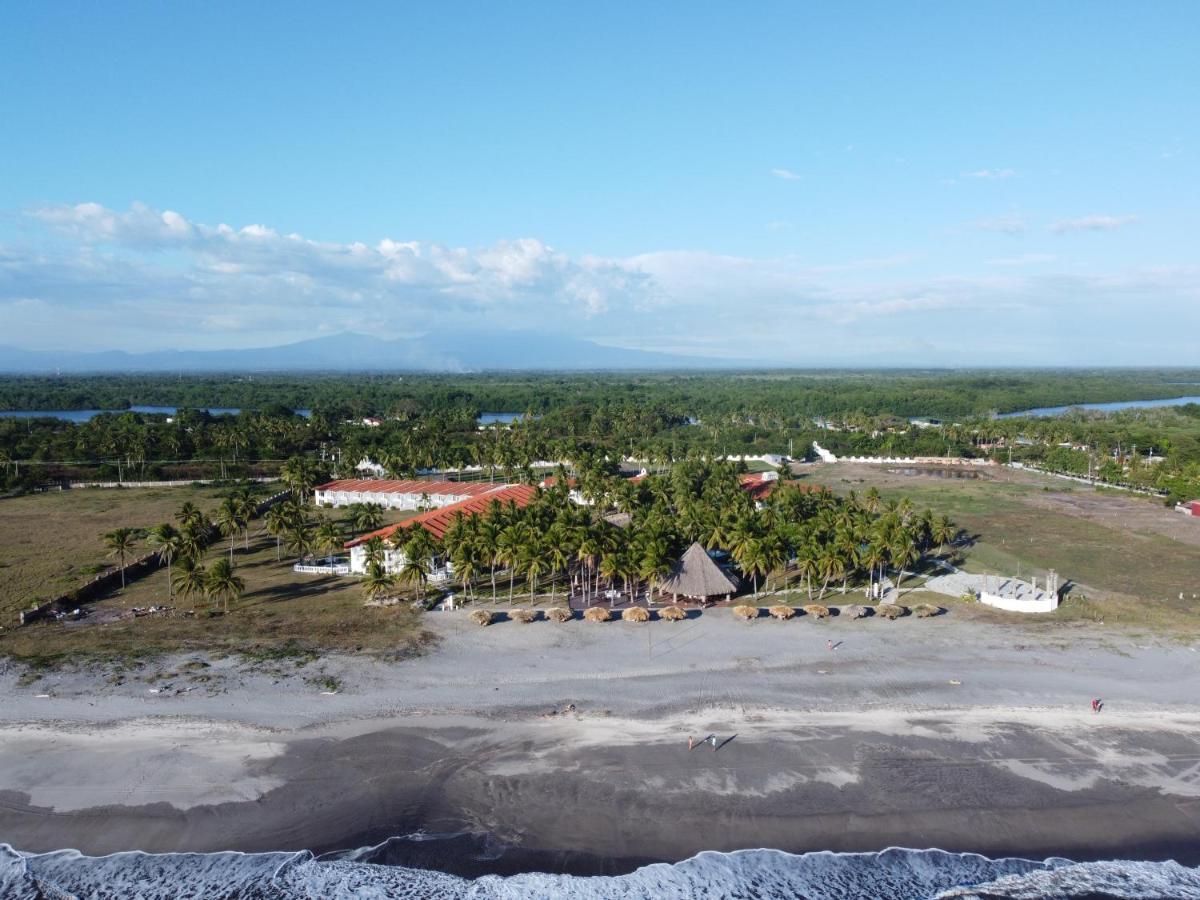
(53, 542)
(926, 610)
(672, 614)
(636, 614)
(781, 612)
(597, 614)
(817, 611)
(558, 614)
(890, 611)
(524, 616)
(746, 613)
(483, 617)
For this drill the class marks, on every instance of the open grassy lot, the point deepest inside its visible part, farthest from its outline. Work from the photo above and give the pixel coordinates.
(281, 614)
(52, 542)
(1125, 553)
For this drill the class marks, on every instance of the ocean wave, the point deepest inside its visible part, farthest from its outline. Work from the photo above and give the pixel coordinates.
(893, 874)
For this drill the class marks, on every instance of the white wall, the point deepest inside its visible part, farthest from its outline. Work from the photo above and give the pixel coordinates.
(1046, 603)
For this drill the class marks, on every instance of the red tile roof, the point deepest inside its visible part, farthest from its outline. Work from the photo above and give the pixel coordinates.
(436, 521)
(409, 486)
(757, 488)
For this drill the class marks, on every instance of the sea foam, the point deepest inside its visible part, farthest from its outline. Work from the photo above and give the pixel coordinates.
(894, 874)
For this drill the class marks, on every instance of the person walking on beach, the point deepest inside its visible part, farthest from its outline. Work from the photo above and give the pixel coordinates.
(691, 742)
(713, 738)
(829, 645)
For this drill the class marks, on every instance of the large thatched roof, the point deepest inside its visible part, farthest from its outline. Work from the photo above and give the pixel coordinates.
(696, 575)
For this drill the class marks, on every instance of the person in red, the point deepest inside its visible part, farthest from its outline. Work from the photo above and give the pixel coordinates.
(1095, 706)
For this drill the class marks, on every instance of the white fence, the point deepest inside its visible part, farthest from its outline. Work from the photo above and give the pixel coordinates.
(322, 568)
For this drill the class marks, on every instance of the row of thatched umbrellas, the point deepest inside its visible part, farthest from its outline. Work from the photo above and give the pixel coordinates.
(676, 614)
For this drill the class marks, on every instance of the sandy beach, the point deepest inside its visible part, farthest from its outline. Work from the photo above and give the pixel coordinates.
(562, 739)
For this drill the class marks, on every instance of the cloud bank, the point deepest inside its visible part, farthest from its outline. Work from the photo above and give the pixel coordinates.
(142, 278)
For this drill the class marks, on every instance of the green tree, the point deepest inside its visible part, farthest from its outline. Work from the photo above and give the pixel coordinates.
(222, 584)
(120, 543)
(167, 542)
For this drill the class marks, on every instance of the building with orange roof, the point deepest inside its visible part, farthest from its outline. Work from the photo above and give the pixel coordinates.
(436, 522)
(399, 494)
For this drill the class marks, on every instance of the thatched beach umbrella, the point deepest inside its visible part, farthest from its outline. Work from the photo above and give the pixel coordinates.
(890, 610)
(483, 617)
(672, 614)
(856, 612)
(746, 612)
(926, 610)
(524, 616)
(781, 612)
(558, 614)
(597, 614)
(636, 614)
(816, 610)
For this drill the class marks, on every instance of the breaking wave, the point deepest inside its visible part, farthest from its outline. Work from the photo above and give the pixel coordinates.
(893, 874)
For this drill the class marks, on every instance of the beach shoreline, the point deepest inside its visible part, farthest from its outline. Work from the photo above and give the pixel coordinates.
(568, 749)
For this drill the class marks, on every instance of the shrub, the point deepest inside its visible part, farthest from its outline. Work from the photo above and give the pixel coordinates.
(558, 614)
(969, 597)
(817, 611)
(746, 612)
(781, 612)
(483, 617)
(524, 616)
(636, 614)
(890, 610)
(672, 614)
(597, 614)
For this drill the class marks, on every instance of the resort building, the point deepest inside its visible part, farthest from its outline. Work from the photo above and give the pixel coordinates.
(1190, 508)
(435, 521)
(698, 577)
(405, 494)
(759, 486)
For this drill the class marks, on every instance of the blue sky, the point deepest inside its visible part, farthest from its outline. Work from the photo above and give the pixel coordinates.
(932, 183)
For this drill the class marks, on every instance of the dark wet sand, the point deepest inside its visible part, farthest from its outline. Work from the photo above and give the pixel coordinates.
(607, 809)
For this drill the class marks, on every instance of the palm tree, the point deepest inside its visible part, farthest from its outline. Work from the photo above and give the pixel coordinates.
(299, 538)
(191, 579)
(222, 583)
(229, 521)
(329, 538)
(366, 517)
(376, 582)
(829, 567)
(299, 475)
(167, 542)
(415, 572)
(279, 519)
(120, 542)
(875, 556)
(193, 541)
(942, 532)
(903, 551)
(189, 514)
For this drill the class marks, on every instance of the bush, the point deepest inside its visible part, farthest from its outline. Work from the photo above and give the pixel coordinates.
(483, 617)
(890, 610)
(672, 614)
(524, 616)
(781, 612)
(636, 614)
(558, 614)
(817, 611)
(746, 612)
(969, 597)
(597, 614)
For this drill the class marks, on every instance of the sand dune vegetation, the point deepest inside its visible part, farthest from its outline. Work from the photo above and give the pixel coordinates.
(524, 616)
(559, 614)
(483, 617)
(890, 610)
(746, 612)
(636, 614)
(597, 614)
(816, 610)
(672, 614)
(781, 612)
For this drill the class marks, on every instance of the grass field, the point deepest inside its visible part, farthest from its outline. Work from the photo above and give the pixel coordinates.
(282, 613)
(1119, 550)
(52, 542)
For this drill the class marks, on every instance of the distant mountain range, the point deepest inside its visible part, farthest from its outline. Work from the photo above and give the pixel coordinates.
(458, 352)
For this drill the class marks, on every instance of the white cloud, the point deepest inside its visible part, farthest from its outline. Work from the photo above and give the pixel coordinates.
(990, 174)
(1011, 223)
(1027, 259)
(1096, 222)
(785, 174)
(145, 278)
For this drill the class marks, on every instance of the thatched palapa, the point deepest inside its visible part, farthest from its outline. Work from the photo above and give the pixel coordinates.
(746, 612)
(697, 577)
(781, 612)
(856, 612)
(524, 616)
(597, 614)
(816, 610)
(636, 614)
(558, 614)
(890, 610)
(483, 617)
(926, 610)
(672, 614)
